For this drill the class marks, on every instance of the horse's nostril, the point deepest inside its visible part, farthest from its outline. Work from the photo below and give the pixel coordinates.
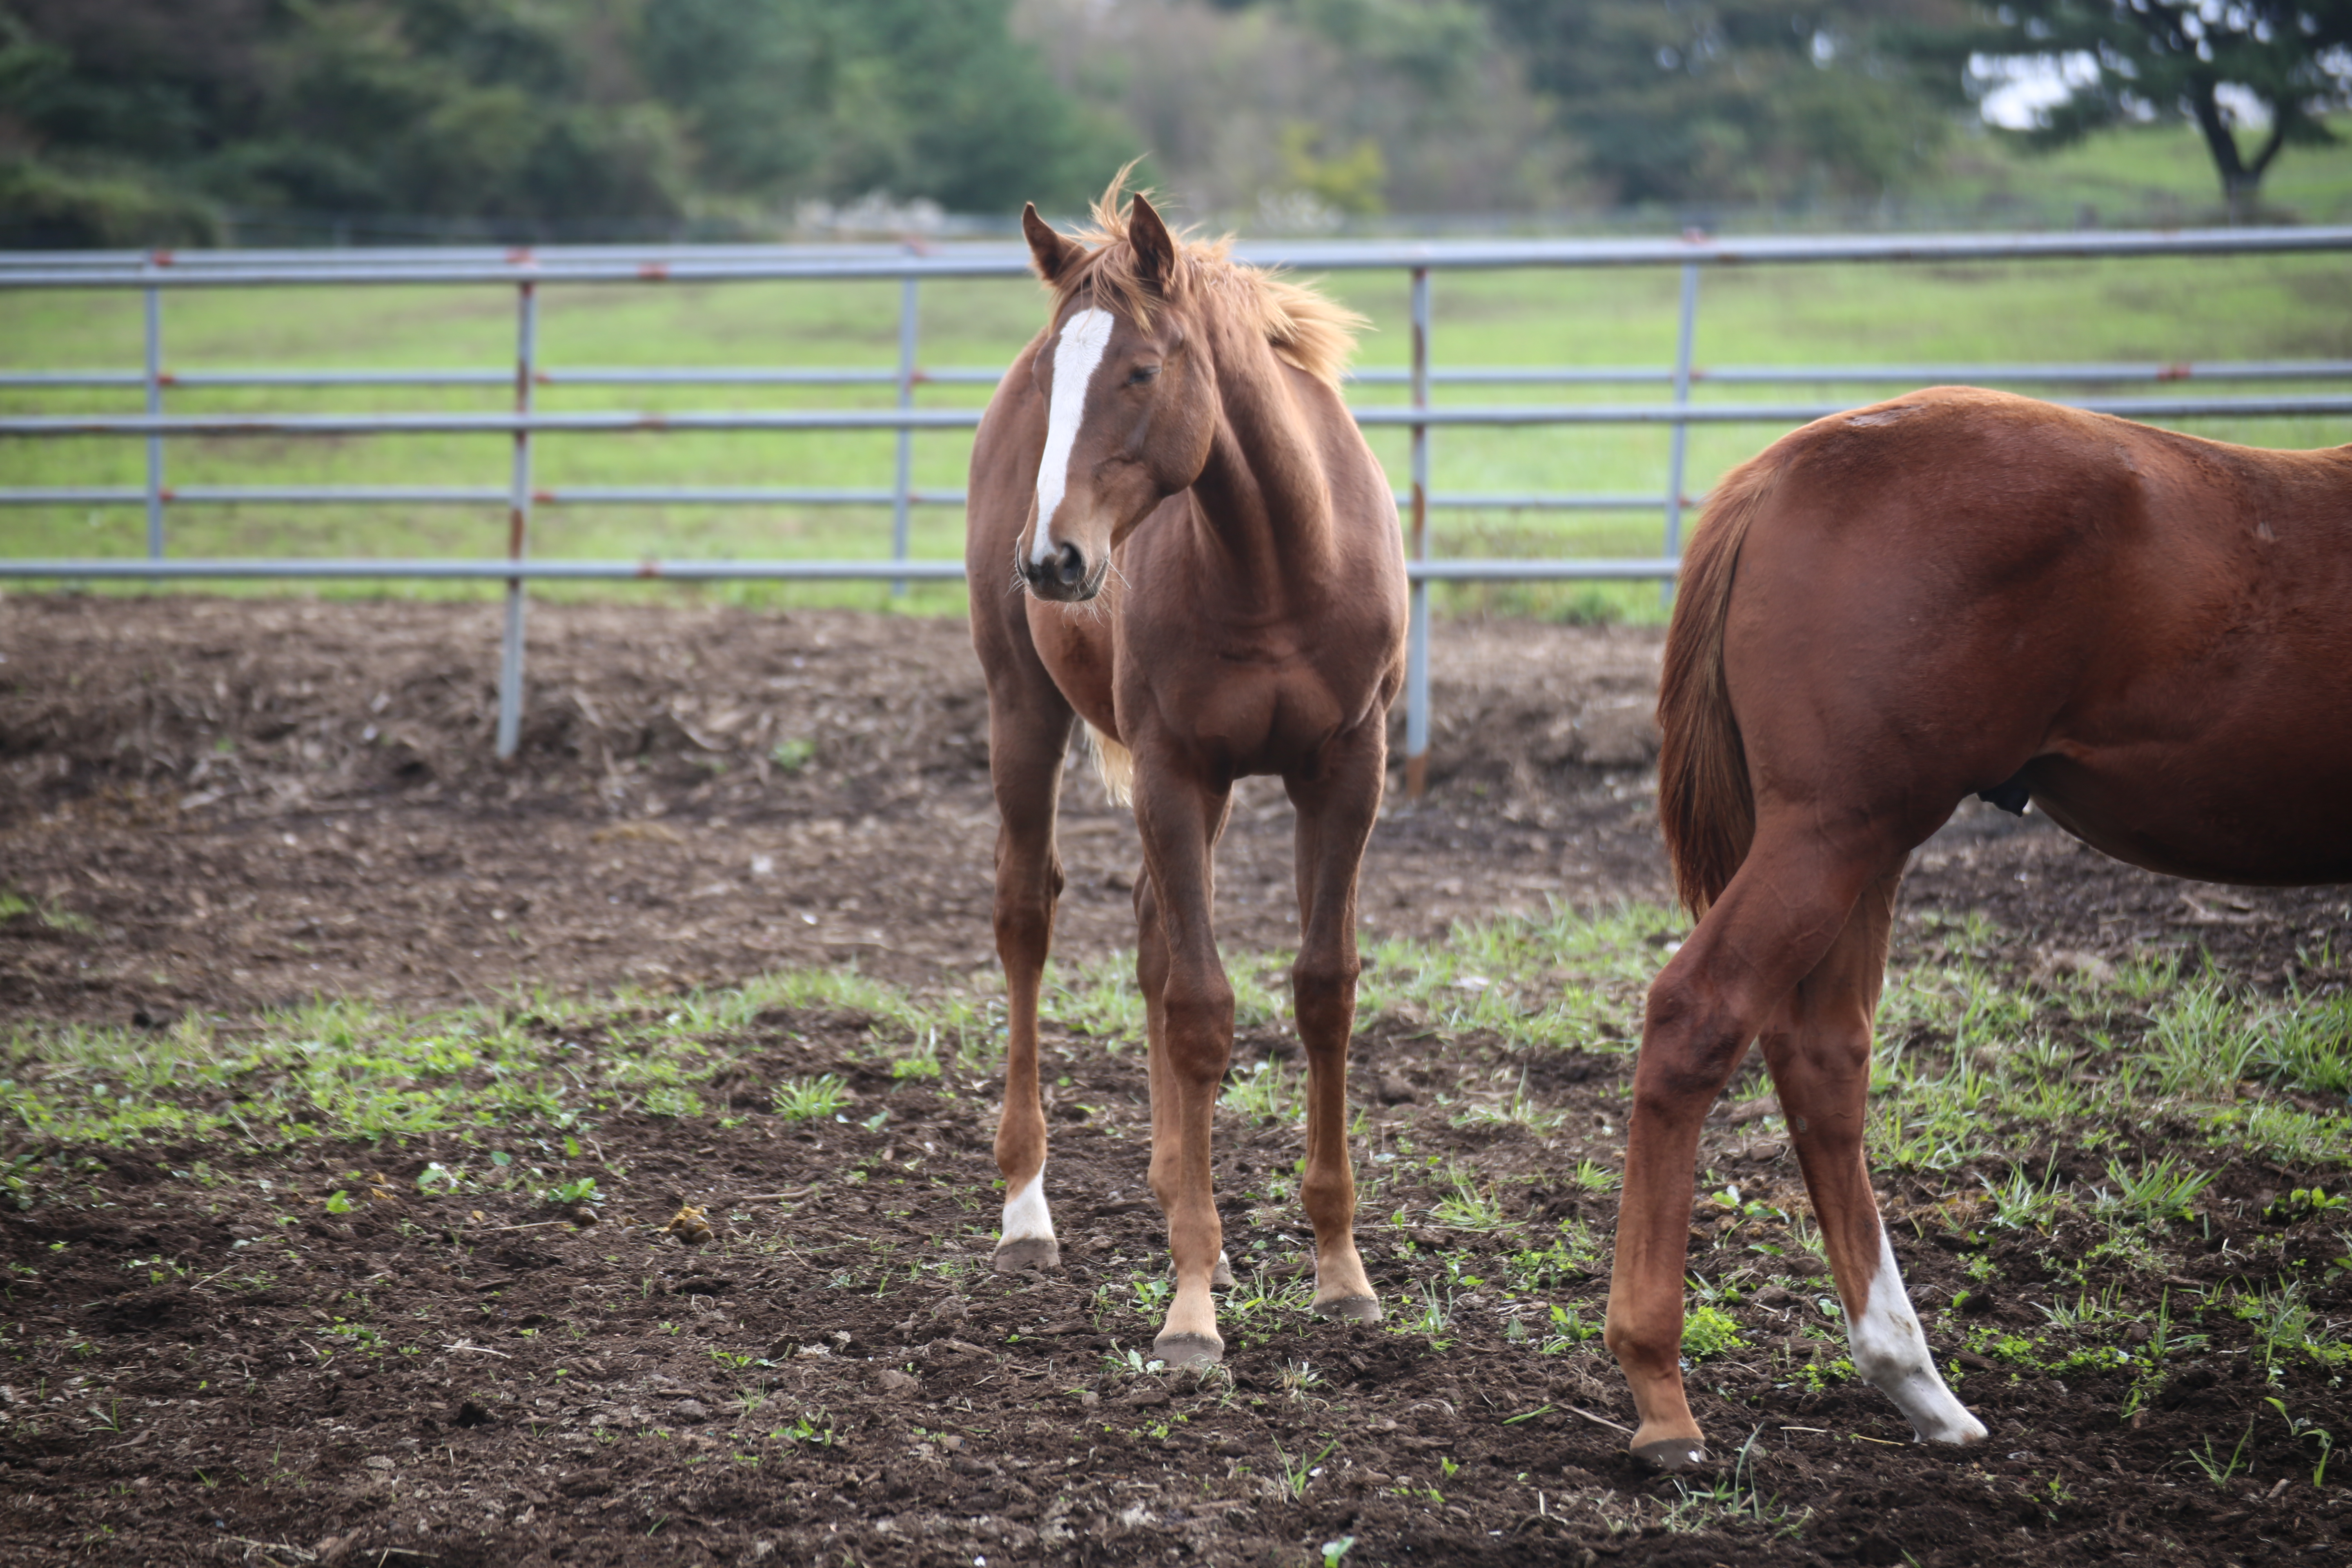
(1072, 566)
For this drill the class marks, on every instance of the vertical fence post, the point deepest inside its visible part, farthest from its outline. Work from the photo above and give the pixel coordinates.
(518, 523)
(154, 406)
(1416, 657)
(902, 490)
(1680, 441)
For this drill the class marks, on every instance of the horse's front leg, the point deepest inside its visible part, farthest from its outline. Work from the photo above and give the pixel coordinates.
(1337, 809)
(1192, 1041)
(1027, 743)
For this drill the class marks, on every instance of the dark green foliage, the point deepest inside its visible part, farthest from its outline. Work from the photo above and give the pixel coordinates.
(43, 208)
(930, 98)
(2153, 57)
(126, 121)
(1740, 99)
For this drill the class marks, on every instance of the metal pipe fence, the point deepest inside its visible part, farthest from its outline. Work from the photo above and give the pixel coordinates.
(526, 270)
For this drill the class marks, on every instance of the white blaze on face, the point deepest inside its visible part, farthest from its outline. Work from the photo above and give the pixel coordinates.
(1026, 1217)
(1891, 1354)
(1076, 357)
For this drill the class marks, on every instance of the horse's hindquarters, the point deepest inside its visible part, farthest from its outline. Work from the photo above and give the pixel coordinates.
(2153, 633)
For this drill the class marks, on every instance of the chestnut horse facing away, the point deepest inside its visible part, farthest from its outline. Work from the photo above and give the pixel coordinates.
(1953, 592)
(1177, 536)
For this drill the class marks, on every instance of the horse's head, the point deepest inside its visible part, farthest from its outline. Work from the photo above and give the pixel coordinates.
(1130, 398)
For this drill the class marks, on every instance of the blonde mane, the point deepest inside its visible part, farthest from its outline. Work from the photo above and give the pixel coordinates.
(1300, 325)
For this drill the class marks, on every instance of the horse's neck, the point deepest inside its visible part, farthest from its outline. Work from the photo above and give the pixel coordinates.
(1264, 494)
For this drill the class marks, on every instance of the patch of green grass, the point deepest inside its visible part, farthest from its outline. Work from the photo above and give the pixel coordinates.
(1467, 1205)
(1565, 978)
(2158, 174)
(2308, 1046)
(1733, 1498)
(2159, 1191)
(1572, 1258)
(811, 1099)
(1595, 1177)
(1710, 1331)
(47, 912)
(1515, 1108)
(1970, 1063)
(2284, 1325)
(1266, 1092)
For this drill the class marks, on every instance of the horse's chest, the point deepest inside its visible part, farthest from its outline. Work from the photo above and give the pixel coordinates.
(1260, 715)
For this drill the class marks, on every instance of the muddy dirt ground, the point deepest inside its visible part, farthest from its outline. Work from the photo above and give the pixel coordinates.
(211, 807)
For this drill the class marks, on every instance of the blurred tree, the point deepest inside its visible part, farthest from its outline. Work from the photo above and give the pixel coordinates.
(1309, 111)
(1675, 100)
(1346, 182)
(123, 121)
(929, 98)
(2117, 62)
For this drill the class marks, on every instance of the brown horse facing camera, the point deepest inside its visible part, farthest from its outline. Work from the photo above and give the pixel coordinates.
(1177, 536)
(1955, 592)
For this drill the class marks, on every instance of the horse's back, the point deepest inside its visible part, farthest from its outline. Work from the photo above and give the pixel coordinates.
(2153, 631)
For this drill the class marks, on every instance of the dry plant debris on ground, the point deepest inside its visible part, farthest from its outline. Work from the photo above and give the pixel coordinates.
(403, 1279)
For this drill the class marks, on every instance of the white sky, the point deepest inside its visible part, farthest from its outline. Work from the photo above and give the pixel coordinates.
(2018, 88)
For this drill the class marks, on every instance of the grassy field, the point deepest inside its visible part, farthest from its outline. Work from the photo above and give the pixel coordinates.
(2160, 309)
(2160, 176)
(1971, 1060)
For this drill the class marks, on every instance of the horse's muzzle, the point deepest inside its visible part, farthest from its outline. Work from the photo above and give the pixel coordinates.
(1068, 578)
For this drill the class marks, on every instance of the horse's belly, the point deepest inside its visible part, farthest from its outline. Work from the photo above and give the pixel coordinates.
(2231, 818)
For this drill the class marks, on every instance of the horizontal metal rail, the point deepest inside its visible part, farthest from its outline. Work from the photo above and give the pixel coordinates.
(500, 569)
(684, 495)
(115, 260)
(621, 421)
(1643, 569)
(1378, 375)
(476, 495)
(601, 422)
(684, 265)
(1806, 413)
(717, 375)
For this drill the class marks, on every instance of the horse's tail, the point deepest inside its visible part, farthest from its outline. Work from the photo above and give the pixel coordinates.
(1705, 805)
(1114, 764)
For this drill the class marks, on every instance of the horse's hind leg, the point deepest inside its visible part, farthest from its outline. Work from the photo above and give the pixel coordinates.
(1335, 812)
(1773, 924)
(1027, 737)
(1817, 1047)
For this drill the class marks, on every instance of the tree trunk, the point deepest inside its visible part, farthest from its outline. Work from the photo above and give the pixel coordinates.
(2241, 182)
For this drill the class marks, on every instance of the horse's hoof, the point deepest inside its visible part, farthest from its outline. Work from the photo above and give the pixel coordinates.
(1220, 1278)
(1028, 1252)
(1351, 1309)
(1184, 1352)
(1672, 1453)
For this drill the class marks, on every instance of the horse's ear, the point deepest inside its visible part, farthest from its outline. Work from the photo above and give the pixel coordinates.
(1052, 255)
(1154, 247)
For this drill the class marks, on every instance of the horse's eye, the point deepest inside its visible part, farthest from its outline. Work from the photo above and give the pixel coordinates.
(1143, 374)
